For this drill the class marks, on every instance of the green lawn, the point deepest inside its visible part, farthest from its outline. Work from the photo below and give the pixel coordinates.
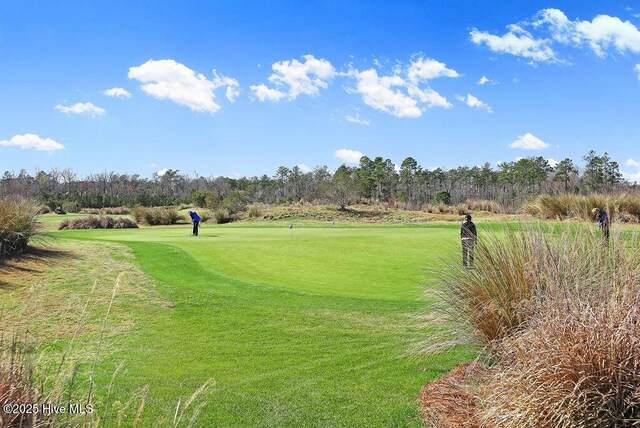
(309, 331)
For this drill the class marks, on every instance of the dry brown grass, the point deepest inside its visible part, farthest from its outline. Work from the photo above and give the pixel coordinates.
(623, 207)
(157, 215)
(93, 222)
(106, 211)
(18, 223)
(558, 315)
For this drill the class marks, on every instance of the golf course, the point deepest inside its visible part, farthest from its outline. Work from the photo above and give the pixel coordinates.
(306, 326)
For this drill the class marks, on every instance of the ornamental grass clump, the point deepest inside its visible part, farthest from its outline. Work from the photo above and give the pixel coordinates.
(18, 223)
(98, 222)
(157, 216)
(556, 315)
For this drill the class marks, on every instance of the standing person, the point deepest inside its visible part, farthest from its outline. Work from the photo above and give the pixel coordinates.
(469, 236)
(195, 219)
(604, 224)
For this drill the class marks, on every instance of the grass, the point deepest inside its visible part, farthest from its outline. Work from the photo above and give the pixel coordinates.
(18, 218)
(309, 331)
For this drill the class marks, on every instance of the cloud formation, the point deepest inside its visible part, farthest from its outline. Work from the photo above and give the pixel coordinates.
(406, 92)
(516, 41)
(348, 155)
(484, 80)
(32, 141)
(528, 142)
(81, 108)
(474, 102)
(117, 92)
(602, 34)
(293, 78)
(170, 80)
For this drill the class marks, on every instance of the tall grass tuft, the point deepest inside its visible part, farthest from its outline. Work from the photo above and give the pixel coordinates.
(576, 365)
(558, 315)
(517, 271)
(18, 223)
(97, 222)
(157, 215)
(621, 207)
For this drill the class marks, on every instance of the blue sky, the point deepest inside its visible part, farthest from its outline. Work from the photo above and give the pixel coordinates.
(314, 83)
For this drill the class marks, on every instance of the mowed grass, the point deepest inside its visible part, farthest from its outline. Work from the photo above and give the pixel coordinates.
(309, 331)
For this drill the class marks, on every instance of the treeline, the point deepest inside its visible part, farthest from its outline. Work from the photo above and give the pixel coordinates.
(373, 180)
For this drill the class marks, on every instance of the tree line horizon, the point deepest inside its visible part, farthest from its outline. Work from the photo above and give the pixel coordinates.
(372, 180)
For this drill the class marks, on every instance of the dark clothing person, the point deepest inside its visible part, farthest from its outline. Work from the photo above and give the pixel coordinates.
(469, 236)
(195, 219)
(604, 225)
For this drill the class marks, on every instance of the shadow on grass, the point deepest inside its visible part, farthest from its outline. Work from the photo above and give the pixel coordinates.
(32, 260)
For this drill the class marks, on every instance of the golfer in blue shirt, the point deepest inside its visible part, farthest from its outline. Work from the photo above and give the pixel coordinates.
(195, 219)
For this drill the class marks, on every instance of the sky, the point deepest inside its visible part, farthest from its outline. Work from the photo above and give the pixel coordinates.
(239, 88)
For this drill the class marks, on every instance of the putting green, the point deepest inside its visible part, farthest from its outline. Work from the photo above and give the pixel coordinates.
(312, 330)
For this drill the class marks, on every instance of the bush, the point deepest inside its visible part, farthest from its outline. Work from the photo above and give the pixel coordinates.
(157, 216)
(254, 212)
(222, 216)
(102, 222)
(235, 202)
(71, 207)
(442, 197)
(18, 223)
(484, 205)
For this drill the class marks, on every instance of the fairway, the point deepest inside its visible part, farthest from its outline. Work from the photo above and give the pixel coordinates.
(309, 330)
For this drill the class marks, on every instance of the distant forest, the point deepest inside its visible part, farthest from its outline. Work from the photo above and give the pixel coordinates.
(373, 180)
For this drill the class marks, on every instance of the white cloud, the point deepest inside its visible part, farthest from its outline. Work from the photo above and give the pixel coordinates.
(422, 69)
(348, 155)
(264, 93)
(474, 102)
(81, 108)
(169, 80)
(381, 94)
(162, 172)
(32, 141)
(633, 163)
(552, 162)
(528, 142)
(633, 177)
(637, 69)
(304, 168)
(484, 80)
(429, 97)
(233, 87)
(294, 78)
(602, 33)
(117, 92)
(400, 93)
(357, 119)
(396, 168)
(517, 41)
